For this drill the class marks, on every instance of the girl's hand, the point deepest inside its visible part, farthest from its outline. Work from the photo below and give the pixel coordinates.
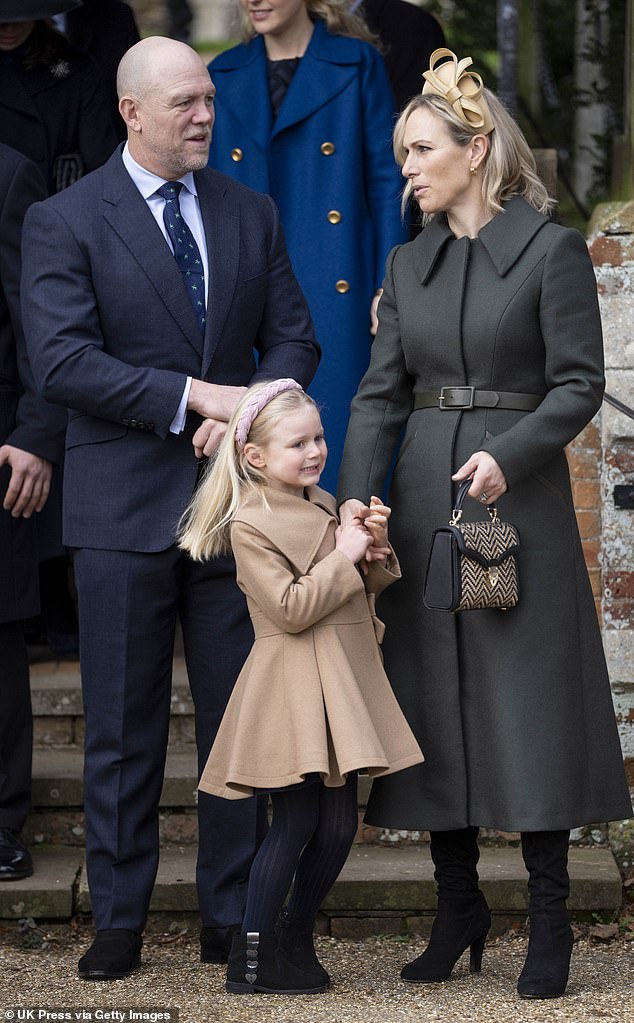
(487, 479)
(353, 540)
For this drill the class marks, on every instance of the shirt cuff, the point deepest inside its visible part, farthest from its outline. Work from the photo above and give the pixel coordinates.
(178, 422)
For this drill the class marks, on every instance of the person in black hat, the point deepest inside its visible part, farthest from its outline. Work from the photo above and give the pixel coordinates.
(53, 104)
(54, 110)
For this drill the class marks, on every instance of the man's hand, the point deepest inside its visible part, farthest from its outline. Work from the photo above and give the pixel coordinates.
(214, 401)
(29, 484)
(208, 437)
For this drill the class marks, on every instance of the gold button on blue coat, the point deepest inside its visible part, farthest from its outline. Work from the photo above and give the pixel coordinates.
(236, 155)
(335, 217)
(342, 287)
(327, 148)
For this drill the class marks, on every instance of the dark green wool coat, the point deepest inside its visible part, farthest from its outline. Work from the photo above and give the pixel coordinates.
(512, 709)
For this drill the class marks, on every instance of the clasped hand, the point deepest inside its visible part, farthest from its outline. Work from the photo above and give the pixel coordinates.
(363, 533)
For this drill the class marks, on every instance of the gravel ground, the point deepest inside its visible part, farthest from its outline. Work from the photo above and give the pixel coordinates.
(365, 984)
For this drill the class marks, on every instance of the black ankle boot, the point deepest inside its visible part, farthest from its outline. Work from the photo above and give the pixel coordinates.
(458, 926)
(545, 972)
(296, 943)
(257, 965)
(463, 918)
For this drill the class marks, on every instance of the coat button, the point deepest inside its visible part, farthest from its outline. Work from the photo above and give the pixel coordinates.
(327, 148)
(335, 217)
(236, 155)
(342, 287)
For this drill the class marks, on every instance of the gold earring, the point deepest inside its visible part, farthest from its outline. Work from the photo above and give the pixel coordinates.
(473, 170)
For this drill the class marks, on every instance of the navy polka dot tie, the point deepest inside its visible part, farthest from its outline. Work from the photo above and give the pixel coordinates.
(186, 251)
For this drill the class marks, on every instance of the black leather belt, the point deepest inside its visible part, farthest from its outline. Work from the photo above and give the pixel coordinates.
(461, 398)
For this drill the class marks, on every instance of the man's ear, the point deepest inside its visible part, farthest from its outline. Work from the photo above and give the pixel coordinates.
(129, 110)
(254, 456)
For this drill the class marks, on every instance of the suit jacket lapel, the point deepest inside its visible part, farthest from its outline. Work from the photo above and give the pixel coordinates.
(222, 232)
(127, 213)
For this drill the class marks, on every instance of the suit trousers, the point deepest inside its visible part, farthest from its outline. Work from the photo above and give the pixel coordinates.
(128, 606)
(16, 728)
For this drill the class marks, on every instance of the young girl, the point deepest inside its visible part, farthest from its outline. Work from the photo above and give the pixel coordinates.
(312, 705)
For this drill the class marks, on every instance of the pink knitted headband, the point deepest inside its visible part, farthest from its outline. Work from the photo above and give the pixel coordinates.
(257, 402)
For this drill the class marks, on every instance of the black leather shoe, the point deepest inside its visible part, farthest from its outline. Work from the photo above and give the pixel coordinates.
(15, 858)
(215, 943)
(114, 953)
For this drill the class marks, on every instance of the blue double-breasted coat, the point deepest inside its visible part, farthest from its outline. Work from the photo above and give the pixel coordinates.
(327, 161)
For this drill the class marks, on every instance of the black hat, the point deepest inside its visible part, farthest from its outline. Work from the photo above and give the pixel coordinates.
(32, 10)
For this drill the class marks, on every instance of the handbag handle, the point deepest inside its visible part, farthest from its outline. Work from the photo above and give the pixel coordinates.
(456, 514)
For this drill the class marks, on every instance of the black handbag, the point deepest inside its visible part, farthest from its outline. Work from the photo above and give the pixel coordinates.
(472, 565)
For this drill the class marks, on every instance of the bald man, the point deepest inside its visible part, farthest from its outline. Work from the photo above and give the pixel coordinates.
(150, 354)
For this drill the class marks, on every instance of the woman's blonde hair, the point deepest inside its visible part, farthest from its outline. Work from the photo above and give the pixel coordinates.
(204, 528)
(509, 166)
(336, 14)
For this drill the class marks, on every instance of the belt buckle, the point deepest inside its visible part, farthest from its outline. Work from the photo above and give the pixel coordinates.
(469, 393)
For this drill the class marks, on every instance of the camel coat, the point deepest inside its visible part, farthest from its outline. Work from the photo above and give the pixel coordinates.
(513, 708)
(313, 697)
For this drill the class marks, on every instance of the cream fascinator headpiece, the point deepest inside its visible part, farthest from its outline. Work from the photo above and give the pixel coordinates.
(462, 89)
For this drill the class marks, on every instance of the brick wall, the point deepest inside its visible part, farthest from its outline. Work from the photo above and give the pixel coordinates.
(584, 460)
(611, 244)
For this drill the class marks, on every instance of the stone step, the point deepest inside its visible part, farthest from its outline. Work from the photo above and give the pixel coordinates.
(380, 890)
(57, 796)
(58, 717)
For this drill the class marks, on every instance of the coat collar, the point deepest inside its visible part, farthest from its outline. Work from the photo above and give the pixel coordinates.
(296, 527)
(313, 85)
(505, 238)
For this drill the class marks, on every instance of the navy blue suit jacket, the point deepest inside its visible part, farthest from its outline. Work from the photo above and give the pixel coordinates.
(113, 337)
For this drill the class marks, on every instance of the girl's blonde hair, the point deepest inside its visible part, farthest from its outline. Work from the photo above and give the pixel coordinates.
(336, 14)
(204, 528)
(508, 168)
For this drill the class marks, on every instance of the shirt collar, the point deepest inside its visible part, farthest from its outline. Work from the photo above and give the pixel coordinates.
(147, 182)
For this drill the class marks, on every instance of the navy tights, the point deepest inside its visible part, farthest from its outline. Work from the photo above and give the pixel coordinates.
(310, 836)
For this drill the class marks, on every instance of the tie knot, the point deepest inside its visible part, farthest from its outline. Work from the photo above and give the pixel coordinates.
(170, 190)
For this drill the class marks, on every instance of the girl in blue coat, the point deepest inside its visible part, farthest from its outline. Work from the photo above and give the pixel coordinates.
(304, 112)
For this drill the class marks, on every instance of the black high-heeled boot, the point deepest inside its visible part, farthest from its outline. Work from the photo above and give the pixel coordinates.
(257, 965)
(545, 971)
(297, 944)
(463, 919)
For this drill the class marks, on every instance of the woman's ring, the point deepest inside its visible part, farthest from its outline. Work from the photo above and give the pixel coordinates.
(484, 497)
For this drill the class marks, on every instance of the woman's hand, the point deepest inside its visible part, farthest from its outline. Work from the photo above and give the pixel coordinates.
(353, 509)
(374, 312)
(376, 524)
(353, 540)
(487, 479)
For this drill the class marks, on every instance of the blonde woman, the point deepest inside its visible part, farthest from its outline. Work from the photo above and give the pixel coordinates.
(305, 112)
(489, 357)
(312, 705)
